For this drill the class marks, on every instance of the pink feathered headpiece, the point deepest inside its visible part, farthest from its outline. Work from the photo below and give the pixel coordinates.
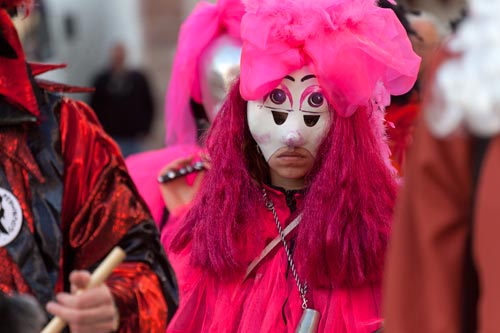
(360, 54)
(353, 47)
(206, 22)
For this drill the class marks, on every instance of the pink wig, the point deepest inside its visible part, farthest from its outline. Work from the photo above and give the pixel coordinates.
(360, 54)
(206, 22)
(346, 212)
(348, 208)
(223, 211)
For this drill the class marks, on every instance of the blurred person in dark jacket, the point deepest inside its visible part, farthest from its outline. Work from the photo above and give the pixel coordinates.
(123, 102)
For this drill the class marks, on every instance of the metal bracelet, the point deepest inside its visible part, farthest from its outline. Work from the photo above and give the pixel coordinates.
(184, 171)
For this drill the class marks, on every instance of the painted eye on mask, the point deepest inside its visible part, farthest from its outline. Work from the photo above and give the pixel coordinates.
(279, 99)
(316, 100)
(313, 106)
(278, 96)
(313, 101)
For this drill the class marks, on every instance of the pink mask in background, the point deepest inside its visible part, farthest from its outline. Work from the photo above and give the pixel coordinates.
(219, 66)
(198, 42)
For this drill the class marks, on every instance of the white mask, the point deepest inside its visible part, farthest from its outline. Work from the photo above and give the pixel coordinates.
(294, 114)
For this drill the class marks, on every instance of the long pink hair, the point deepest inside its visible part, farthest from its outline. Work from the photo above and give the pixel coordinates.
(346, 211)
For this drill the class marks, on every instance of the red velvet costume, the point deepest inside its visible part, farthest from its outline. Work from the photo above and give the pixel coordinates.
(76, 197)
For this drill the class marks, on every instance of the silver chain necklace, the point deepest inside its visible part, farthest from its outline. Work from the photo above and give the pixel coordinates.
(310, 318)
(302, 286)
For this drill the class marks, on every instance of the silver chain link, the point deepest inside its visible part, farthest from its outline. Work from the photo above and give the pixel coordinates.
(302, 286)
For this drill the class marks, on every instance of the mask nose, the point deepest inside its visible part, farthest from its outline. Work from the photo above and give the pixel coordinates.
(293, 139)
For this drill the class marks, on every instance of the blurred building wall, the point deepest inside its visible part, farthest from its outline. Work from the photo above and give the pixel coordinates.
(82, 32)
(162, 20)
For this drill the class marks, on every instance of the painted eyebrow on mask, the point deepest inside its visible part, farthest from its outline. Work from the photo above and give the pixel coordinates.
(307, 77)
(290, 78)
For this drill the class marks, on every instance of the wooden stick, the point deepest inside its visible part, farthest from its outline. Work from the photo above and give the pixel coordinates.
(114, 258)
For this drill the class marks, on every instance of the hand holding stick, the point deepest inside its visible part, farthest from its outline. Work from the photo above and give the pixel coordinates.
(114, 258)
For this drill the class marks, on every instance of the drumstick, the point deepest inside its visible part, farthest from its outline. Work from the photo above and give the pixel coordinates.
(114, 258)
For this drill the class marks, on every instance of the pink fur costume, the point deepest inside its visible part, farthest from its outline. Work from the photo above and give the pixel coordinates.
(206, 22)
(360, 55)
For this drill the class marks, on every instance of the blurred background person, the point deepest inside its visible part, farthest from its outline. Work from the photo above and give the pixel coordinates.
(426, 33)
(429, 33)
(81, 33)
(403, 109)
(123, 102)
(442, 273)
(206, 62)
(445, 10)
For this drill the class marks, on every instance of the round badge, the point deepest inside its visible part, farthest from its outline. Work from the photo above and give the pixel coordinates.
(11, 217)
